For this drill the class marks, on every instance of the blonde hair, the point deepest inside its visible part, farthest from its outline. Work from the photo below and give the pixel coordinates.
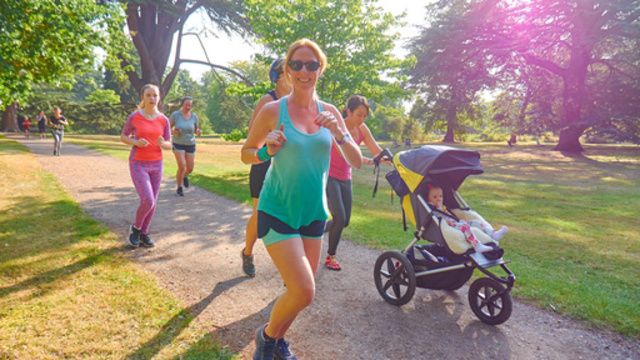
(145, 88)
(311, 45)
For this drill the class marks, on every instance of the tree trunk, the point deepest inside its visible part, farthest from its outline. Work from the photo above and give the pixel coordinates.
(10, 118)
(570, 141)
(452, 119)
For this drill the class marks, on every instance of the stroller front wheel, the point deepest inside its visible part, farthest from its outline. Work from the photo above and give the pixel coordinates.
(490, 301)
(395, 278)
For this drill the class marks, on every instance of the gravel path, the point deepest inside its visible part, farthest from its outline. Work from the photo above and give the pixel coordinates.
(199, 238)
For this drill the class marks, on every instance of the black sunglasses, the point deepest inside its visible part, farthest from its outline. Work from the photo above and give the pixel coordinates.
(296, 65)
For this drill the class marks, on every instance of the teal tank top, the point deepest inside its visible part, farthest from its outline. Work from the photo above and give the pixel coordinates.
(294, 187)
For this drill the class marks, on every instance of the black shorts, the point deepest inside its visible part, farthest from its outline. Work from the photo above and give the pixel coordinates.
(41, 128)
(256, 177)
(272, 230)
(189, 149)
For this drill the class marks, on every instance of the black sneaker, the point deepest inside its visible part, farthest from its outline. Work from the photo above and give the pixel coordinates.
(247, 264)
(180, 192)
(146, 240)
(265, 346)
(282, 351)
(134, 236)
(185, 181)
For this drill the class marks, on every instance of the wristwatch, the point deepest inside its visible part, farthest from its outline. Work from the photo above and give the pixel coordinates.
(346, 137)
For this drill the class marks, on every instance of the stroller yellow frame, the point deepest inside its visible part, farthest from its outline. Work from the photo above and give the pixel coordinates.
(398, 273)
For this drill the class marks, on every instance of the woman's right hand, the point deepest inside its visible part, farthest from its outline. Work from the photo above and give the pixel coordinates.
(275, 140)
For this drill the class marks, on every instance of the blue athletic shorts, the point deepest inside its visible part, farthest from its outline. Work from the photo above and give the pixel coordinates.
(271, 230)
(189, 149)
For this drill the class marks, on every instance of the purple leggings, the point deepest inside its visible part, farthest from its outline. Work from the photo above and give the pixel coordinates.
(146, 176)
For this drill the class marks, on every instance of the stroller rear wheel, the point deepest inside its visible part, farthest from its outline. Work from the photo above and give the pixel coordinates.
(395, 278)
(490, 301)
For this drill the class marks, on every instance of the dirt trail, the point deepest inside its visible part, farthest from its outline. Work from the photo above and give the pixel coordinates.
(199, 238)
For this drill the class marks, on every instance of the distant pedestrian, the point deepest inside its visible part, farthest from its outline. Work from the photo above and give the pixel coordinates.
(26, 124)
(57, 123)
(185, 128)
(152, 133)
(42, 123)
(258, 171)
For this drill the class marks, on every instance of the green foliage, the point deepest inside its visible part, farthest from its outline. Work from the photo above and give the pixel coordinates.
(106, 96)
(354, 34)
(393, 123)
(228, 112)
(98, 117)
(591, 49)
(456, 58)
(236, 135)
(49, 42)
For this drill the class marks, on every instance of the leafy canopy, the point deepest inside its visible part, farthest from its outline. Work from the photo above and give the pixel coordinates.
(354, 34)
(49, 41)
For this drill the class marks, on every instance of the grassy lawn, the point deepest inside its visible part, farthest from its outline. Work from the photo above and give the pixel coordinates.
(66, 289)
(573, 221)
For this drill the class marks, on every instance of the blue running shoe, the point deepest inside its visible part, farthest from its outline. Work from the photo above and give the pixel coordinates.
(146, 240)
(134, 236)
(282, 351)
(265, 346)
(247, 264)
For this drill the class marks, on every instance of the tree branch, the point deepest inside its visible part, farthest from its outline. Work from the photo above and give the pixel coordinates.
(545, 64)
(246, 81)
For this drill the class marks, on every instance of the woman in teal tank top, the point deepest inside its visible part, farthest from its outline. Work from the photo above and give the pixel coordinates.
(292, 210)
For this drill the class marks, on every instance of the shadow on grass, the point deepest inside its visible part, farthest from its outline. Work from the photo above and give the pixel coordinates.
(32, 227)
(56, 274)
(172, 329)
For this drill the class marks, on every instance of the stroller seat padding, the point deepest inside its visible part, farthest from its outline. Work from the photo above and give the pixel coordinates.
(456, 241)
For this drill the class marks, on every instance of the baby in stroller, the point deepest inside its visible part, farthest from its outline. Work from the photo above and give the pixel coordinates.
(435, 201)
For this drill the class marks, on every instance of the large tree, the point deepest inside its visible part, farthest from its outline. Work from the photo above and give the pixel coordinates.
(355, 35)
(584, 43)
(153, 25)
(43, 41)
(456, 54)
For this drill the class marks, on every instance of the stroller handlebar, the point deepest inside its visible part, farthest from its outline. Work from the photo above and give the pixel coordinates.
(384, 155)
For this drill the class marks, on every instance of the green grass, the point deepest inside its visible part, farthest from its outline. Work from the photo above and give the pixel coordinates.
(66, 289)
(572, 221)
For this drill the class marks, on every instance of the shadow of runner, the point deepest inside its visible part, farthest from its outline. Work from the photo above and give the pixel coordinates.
(235, 336)
(172, 329)
(39, 280)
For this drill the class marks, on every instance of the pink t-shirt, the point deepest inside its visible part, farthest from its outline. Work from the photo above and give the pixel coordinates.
(339, 168)
(142, 127)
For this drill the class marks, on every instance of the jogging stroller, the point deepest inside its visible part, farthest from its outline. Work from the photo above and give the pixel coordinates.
(448, 262)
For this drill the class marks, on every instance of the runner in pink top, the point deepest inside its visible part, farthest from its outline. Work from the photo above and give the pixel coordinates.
(152, 134)
(339, 193)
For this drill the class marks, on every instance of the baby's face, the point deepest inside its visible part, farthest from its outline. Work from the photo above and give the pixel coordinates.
(435, 196)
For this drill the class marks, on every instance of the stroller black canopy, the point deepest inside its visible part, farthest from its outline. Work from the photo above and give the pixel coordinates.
(437, 163)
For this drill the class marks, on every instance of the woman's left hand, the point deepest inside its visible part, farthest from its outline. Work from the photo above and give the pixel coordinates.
(327, 120)
(160, 140)
(198, 132)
